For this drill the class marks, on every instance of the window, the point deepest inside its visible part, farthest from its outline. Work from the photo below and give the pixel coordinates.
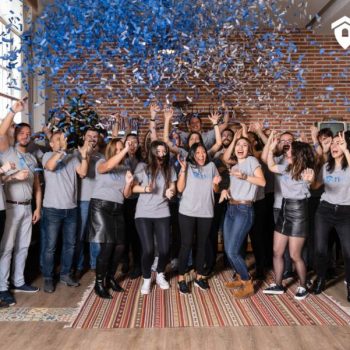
(11, 27)
(345, 33)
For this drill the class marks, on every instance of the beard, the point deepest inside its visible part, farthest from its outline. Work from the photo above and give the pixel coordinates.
(226, 143)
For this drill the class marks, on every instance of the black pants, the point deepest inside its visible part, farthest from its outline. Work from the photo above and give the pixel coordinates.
(199, 228)
(2, 222)
(212, 245)
(108, 259)
(175, 229)
(147, 228)
(257, 235)
(328, 217)
(132, 238)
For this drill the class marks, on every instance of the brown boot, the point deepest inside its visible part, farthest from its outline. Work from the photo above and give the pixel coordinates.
(245, 291)
(236, 283)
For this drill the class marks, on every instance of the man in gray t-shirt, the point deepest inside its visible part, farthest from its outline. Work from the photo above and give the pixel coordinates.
(60, 207)
(85, 189)
(195, 125)
(19, 217)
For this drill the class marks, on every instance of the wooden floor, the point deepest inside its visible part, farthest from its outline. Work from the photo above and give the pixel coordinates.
(50, 335)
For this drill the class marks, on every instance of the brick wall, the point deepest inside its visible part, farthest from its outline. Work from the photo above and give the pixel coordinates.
(325, 65)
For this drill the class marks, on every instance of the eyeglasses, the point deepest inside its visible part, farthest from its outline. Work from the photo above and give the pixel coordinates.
(288, 142)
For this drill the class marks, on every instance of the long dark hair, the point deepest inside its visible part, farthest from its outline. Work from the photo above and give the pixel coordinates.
(250, 148)
(331, 160)
(154, 166)
(194, 133)
(302, 158)
(192, 151)
(138, 153)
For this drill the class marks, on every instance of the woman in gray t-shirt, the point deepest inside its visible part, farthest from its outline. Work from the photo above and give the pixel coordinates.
(155, 183)
(293, 222)
(245, 177)
(333, 213)
(106, 220)
(198, 179)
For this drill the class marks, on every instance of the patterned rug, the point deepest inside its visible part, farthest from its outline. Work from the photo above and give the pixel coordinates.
(37, 314)
(214, 308)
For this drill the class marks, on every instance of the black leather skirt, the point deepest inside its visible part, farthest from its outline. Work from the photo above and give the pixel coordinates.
(106, 222)
(293, 219)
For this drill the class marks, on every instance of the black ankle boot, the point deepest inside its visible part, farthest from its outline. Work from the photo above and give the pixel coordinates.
(112, 283)
(348, 288)
(319, 286)
(100, 290)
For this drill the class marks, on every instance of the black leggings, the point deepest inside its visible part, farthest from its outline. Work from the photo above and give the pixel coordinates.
(191, 226)
(328, 217)
(132, 238)
(160, 227)
(108, 259)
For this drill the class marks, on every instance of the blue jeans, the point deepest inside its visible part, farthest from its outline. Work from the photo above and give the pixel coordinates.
(83, 218)
(55, 219)
(238, 221)
(42, 239)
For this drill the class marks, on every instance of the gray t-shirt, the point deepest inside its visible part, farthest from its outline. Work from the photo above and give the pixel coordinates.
(336, 185)
(155, 204)
(86, 185)
(61, 185)
(292, 189)
(281, 160)
(197, 199)
(207, 136)
(19, 191)
(243, 190)
(110, 186)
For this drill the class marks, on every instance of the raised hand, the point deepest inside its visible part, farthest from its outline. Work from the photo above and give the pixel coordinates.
(154, 108)
(273, 141)
(244, 130)
(214, 117)
(342, 141)
(326, 144)
(182, 162)
(18, 106)
(63, 142)
(308, 175)
(129, 177)
(168, 113)
(314, 133)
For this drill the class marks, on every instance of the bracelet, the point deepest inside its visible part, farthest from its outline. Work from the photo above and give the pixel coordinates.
(244, 176)
(11, 110)
(215, 124)
(144, 190)
(83, 158)
(152, 120)
(182, 171)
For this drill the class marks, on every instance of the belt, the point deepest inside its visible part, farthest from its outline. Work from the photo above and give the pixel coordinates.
(234, 202)
(19, 203)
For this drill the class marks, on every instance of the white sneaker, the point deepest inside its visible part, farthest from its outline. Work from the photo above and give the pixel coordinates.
(155, 264)
(161, 281)
(146, 286)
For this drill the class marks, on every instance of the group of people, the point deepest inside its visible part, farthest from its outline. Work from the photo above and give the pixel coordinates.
(166, 204)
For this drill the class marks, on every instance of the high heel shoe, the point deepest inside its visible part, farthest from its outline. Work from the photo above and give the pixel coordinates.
(112, 283)
(100, 289)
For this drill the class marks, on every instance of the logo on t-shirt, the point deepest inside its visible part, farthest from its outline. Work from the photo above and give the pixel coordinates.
(332, 179)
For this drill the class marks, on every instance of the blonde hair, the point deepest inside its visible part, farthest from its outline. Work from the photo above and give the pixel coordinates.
(110, 149)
